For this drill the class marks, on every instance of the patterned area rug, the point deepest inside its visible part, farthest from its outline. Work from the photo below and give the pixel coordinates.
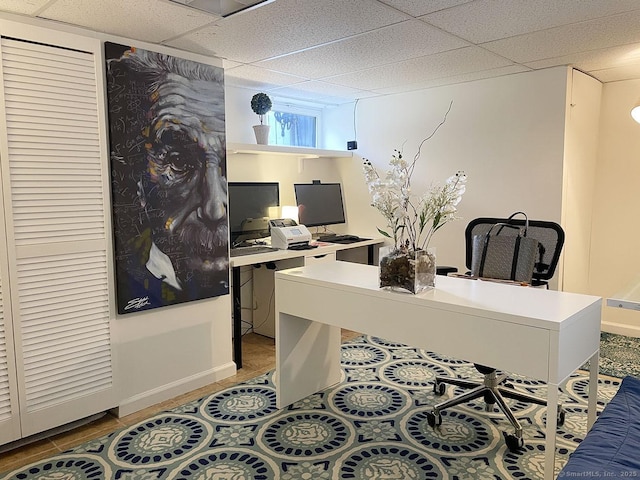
(372, 425)
(619, 355)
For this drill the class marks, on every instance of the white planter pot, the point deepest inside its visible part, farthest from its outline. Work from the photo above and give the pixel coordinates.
(262, 134)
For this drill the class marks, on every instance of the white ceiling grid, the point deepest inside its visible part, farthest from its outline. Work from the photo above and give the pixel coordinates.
(335, 51)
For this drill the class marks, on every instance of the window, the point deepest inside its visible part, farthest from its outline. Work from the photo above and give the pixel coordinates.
(293, 126)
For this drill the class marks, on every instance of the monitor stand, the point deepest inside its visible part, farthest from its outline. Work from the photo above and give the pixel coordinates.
(324, 233)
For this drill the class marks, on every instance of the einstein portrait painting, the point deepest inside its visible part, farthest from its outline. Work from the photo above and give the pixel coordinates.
(168, 178)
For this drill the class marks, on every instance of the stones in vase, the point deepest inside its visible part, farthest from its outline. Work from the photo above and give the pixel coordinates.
(410, 271)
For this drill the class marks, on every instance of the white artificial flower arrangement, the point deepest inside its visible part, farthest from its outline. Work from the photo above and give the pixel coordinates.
(412, 220)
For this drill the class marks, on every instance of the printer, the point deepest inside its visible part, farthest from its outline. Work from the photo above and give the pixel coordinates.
(285, 234)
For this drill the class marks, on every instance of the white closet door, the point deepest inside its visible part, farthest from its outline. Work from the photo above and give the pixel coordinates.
(9, 411)
(54, 198)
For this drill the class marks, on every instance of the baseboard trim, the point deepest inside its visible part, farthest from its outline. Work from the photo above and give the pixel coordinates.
(36, 437)
(621, 329)
(146, 399)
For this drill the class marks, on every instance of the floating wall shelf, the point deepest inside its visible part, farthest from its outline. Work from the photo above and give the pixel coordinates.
(299, 152)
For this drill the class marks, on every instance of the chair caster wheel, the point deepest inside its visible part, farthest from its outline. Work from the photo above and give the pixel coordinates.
(434, 419)
(514, 444)
(561, 416)
(439, 388)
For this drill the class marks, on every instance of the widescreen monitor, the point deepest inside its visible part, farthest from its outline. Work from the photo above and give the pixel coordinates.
(248, 209)
(319, 204)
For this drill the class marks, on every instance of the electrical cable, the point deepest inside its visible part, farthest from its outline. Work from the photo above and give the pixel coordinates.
(355, 133)
(248, 325)
(266, 318)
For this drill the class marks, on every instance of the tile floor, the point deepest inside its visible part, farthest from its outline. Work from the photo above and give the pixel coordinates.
(258, 356)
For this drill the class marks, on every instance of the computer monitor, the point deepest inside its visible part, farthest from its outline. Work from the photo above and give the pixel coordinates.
(319, 204)
(248, 209)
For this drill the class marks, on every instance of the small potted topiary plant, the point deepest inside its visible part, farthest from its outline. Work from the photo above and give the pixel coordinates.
(261, 104)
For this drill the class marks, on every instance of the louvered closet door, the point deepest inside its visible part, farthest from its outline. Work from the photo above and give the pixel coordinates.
(9, 411)
(55, 213)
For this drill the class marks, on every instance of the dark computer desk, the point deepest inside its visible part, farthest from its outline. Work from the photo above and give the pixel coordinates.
(273, 256)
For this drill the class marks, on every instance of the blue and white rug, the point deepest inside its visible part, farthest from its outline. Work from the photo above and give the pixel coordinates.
(619, 355)
(373, 425)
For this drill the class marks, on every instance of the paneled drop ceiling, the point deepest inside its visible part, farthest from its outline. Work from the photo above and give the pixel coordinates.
(336, 51)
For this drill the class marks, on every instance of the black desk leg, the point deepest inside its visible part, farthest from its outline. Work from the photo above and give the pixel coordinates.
(370, 254)
(237, 319)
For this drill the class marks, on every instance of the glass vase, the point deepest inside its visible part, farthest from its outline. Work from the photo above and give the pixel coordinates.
(407, 270)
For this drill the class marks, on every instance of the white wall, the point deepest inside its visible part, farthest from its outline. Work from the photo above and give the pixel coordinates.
(286, 170)
(581, 148)
(615, 252)
(506, 133)
(239, 116)
(165, 352)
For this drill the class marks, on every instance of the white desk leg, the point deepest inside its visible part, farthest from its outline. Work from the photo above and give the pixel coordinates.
(307, 358)
(552, 423)
(593, 389)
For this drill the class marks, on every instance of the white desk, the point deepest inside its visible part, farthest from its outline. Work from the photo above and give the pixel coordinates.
(628, 298)
(254, 259)
(539, 333)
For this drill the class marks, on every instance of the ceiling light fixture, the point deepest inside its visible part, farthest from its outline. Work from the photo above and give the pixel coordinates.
(635, 113)
(223, 8)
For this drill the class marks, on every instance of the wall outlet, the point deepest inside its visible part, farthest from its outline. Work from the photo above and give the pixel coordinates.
(352, 145)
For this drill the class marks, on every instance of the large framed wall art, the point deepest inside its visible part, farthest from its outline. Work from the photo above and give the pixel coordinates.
(168, 178)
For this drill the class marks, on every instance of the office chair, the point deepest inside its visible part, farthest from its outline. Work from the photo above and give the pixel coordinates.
(495, 386)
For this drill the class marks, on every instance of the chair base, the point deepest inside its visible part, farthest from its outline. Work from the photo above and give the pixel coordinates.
(494, 389)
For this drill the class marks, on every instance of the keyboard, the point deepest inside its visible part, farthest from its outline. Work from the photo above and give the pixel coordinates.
(302, 246)
(340, 239)
(239, 251)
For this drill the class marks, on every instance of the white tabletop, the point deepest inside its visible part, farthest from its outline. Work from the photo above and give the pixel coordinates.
(548, 309)
(323, 248)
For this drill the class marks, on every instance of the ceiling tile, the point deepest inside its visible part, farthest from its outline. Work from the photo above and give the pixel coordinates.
(580, 37)
(250, 84)
(324, 88)
(364, 46)
(616, 74)
(416, 8)
(230, 64)
(24, 7)
(600, 59)
(486, 20)
(467, 77)
(416, 39)
(454, 62)
(204, 41)
(287, 26)
(330, 94)
(127, 18)
(249, 72)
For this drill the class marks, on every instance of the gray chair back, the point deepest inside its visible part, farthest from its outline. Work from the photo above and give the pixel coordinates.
(550, 237)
